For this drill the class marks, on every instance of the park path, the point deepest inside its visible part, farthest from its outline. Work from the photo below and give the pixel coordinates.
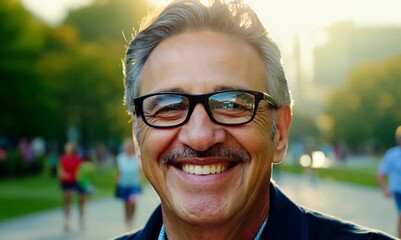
(366, 206)
(363, 205)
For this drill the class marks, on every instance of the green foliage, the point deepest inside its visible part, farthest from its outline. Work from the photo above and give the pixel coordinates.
(108, 19)
(88, 89)
(14, 165)
(21, 42)
(66, 76)
(303, 127)
(367, 110)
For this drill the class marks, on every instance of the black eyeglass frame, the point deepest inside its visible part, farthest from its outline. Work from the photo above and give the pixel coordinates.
(203, 99)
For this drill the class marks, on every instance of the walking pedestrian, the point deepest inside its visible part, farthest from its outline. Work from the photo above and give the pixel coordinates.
(390, 167)
(68, 169)
(128, 180)
(84, 185)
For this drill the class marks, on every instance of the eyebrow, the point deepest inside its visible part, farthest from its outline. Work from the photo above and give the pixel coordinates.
(173, 90)
(216, 89)
(223, 88)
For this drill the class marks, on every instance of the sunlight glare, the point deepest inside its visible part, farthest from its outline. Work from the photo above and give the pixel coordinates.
(286, 17)
(55, 11)
(305, 160)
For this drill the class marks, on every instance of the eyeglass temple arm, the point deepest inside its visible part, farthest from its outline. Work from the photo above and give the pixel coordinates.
(270, 100)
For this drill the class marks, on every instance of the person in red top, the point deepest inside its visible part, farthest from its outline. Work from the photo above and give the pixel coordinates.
(68, 168)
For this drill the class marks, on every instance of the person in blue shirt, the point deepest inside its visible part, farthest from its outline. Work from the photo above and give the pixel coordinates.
(390, 167)
(128, 186)
(211, 112)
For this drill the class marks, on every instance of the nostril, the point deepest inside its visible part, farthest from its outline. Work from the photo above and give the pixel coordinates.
(201, 139)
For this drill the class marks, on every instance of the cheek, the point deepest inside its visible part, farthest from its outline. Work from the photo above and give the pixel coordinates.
(262, 144)
(154, 142)
(263, 125)
(256, 139)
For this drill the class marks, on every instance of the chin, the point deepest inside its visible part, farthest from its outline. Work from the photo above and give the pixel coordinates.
(207, 211)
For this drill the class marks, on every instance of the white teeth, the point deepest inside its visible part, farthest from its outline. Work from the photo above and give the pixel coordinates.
(198, 170)
(213, 169)
(204, 169)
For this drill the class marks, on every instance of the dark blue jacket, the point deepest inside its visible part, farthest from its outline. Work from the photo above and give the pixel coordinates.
(287, 221)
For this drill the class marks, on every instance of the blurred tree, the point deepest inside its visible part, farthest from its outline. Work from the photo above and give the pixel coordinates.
(87, 84)
(66, 76)
(96, 107)
(107, 20)
(367, 110)
(303, 128)
(23, 102)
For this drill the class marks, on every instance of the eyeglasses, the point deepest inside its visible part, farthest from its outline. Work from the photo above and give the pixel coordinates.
(229, 108)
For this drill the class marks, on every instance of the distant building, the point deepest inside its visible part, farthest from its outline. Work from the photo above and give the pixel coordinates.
(348, 46)
(340, 48)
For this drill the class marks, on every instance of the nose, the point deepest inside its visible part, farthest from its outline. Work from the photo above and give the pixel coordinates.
(200, 132)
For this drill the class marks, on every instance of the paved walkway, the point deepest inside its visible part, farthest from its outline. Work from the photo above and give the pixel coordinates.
(364, 205)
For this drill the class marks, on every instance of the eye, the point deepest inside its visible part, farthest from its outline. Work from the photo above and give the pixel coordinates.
(174, 109)
(232, 109)
(233, 102)
(227, 105)
(165, 106)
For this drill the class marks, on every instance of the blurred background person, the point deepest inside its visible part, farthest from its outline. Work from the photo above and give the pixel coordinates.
(128, 180)
(52, 161)
(390, 167)
(84, 184)
(68, 168)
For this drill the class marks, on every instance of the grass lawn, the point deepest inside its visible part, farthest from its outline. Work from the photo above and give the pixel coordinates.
(32, 194)
(366, 177)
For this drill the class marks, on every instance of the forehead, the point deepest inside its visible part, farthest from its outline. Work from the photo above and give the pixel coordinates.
(203, 61)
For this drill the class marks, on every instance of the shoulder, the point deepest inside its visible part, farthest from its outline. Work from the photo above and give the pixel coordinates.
(393, 150)
(390, 156)
(321, 225)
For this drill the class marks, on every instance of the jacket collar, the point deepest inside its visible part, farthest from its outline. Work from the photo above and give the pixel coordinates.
(286, 219)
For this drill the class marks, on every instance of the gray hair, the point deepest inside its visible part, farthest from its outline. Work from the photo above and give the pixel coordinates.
(234, 18)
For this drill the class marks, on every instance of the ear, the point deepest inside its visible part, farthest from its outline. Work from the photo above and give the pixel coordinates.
(283, 124)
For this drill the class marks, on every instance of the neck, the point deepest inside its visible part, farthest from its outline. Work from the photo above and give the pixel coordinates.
(244, 225)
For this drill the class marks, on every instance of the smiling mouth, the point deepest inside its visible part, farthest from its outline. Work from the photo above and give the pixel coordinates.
(206, 169)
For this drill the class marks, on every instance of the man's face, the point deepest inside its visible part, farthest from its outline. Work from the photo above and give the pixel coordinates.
(196, 63)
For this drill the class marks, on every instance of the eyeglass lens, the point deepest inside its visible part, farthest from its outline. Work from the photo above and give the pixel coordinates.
(165, 109)
(227, 107)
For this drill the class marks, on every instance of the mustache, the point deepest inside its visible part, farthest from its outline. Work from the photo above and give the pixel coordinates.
(216, 151)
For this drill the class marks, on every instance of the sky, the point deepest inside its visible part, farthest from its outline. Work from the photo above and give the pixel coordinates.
(288, 16)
